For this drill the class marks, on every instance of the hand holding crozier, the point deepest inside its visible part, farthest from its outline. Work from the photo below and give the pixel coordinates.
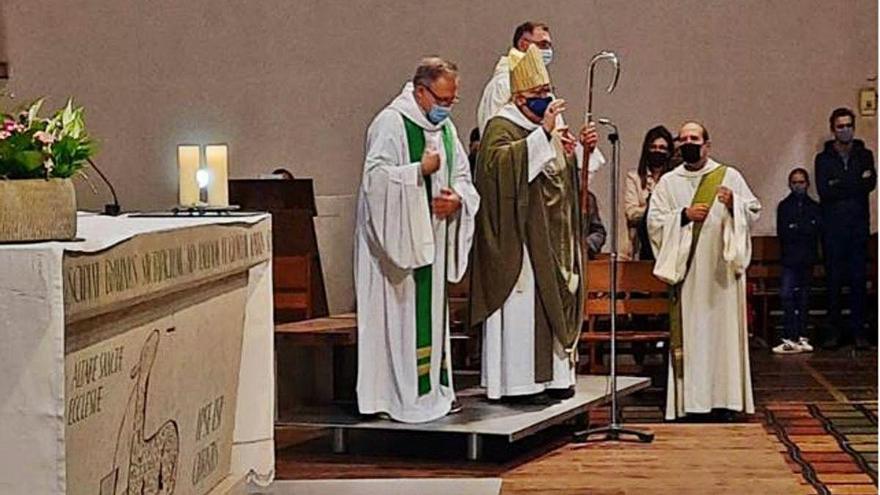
(589, 137)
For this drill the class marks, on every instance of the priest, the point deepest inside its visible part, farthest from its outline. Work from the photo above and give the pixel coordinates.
(496, 93)
(699, 222)
(415, 223)
(527, 284)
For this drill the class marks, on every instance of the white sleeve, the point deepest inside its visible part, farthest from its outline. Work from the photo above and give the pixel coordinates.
(670, 240)
(541, 152)
(397, 206)
(736, 228)
(460, 231)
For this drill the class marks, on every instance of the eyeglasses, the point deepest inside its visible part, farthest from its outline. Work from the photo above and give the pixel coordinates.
(446, 102)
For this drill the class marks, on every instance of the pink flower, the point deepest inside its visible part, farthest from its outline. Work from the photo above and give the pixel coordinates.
(4, 134)
(44, 137)
(9, 125)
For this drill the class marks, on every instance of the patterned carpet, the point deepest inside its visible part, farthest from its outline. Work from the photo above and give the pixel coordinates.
(832, 445)
(821, 406)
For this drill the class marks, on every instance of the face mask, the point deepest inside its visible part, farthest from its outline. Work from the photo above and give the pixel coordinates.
(538, 105)
(547, 55)
(844, 135)
(438, 114)
(799, 189)
(657, 159)
(690, 152)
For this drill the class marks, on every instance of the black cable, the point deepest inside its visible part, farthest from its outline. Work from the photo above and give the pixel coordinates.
(109, 209)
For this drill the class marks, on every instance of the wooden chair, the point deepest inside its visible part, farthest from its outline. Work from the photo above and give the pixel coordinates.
(763, 276)
(639, 294)
(291, 277)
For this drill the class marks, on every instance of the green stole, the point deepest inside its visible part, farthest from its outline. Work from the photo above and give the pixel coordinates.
(415, 139)
(706, 194)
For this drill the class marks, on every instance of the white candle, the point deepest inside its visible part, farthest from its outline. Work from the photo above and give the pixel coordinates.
(188, 165)
(216, 157)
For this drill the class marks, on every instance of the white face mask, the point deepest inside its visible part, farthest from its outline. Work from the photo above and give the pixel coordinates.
(547, 55)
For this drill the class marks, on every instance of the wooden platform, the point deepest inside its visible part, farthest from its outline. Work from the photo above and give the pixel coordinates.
(684, 459)
(479, 418)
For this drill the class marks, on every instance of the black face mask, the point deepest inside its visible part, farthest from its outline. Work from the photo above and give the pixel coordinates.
(690, 152)
(657, 159)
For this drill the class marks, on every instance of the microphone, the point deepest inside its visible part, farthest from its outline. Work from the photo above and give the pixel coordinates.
(615, 133)
(109, 209)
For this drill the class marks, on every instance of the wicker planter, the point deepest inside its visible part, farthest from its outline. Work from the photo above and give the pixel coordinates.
(37, 210)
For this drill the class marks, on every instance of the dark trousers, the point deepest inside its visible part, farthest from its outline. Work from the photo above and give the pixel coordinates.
(847, 264)
(795, 292)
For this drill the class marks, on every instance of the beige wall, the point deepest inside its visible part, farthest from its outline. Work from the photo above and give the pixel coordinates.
(295, 83)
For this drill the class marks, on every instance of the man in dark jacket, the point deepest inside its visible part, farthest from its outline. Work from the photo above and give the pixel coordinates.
(797, 227)
(845, 176)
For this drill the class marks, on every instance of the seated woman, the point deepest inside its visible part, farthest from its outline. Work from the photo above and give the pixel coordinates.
(594, 230)
(657, 151)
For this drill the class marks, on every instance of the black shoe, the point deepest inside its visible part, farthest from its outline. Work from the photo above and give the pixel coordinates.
(539, 399)
(561, 393)
(456, 407)
(726, 416)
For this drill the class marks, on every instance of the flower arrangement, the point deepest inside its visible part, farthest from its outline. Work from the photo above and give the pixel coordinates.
(32, 147)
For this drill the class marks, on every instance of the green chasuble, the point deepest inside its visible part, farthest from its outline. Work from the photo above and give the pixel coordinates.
(706, 193)
(415, 139)
(543, 216)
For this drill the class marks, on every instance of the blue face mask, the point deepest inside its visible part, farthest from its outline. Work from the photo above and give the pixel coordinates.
(799, 189)
(547, 55)
(538, 105)
(438, 113)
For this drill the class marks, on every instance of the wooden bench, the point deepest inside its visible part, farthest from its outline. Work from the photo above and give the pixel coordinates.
(640, 293)
(764, 276)
(319, 365)
(331, 330)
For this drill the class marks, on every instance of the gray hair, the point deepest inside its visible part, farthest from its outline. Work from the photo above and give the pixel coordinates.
(432, 68)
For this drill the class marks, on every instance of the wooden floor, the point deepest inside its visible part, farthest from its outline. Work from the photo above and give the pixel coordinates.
(684, 459)
(815, 433)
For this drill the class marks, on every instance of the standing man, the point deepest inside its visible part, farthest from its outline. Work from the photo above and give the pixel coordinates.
(496, 94)
(699, 221)
(845, 177)
(797, 227)
(527, 284)
(415, 223)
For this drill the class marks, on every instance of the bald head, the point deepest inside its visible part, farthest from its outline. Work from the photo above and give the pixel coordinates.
(691, 127)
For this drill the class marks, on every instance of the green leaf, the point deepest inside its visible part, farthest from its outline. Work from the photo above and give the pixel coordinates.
(34, 109)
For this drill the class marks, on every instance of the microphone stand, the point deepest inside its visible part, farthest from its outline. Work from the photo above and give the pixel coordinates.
(615, 429)
(110, 209)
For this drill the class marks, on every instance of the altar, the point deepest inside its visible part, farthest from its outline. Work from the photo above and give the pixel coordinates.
(138, 358)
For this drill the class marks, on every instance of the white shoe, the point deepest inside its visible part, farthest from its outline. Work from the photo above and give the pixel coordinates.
(787, 347)
(804, 344)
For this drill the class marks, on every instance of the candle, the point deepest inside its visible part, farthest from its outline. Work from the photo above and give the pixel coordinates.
(216, 158)
(188, 165)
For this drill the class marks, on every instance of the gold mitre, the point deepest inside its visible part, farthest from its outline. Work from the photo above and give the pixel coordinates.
(529, 72)
(514, 56)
